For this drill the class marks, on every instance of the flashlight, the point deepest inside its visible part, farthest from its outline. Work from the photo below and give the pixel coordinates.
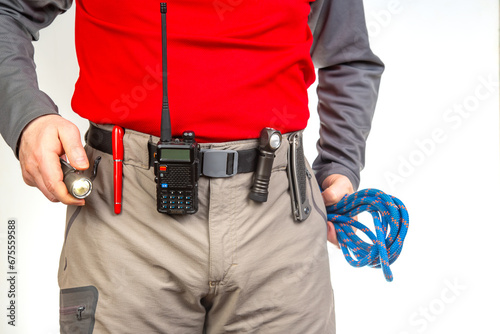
(269, 142)
(78, 185)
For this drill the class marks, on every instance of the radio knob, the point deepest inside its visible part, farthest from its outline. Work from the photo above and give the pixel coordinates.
(188, 136)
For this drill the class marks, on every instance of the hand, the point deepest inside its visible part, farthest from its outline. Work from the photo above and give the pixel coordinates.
(335, 187)
(42, 142)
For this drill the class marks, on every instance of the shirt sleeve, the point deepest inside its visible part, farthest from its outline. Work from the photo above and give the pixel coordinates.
(348, 82)
(21, 100)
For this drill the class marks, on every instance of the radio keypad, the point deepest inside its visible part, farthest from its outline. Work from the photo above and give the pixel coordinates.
(177, 199)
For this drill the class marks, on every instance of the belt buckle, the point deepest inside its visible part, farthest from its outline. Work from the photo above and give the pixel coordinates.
(219, 163)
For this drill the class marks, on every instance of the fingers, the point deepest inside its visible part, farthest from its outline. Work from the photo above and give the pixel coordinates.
(332, 235)
(70, 140)
(52, 178)
(331, 196)
(336, 186)
(39, 151)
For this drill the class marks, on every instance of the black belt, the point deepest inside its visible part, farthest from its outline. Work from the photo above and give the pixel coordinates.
(214, 163)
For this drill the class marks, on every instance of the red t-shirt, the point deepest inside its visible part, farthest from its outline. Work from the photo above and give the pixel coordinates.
(234, 66)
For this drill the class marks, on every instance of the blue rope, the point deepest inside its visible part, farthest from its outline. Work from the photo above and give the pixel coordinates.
(390, 218)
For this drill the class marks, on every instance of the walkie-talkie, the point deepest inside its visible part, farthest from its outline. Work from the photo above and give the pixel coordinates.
(176, 159)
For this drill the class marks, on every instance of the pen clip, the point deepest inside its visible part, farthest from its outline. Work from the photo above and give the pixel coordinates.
(117, 142)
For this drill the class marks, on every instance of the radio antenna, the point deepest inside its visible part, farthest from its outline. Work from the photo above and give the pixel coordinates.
(166, 128)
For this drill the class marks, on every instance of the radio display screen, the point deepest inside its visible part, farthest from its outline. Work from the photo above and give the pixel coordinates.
(177, 155)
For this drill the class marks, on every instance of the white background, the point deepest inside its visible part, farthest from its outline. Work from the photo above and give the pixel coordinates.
(434, 144)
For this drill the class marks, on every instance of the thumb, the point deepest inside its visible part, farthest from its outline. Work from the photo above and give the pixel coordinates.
(71, 142)
(331, 195)
(336, 187)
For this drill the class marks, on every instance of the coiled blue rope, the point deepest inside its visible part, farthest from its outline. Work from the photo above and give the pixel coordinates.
(390, 218)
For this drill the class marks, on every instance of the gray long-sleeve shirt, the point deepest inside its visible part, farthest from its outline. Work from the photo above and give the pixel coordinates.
(348, 77)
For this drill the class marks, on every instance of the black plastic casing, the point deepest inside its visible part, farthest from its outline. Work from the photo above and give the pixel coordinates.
(177, 180)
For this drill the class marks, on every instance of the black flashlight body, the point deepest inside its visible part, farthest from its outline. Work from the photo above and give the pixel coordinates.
(269, 142)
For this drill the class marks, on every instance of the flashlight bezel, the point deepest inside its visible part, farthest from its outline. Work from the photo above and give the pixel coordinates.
(71, 176)
(72, 189)
(266, 140)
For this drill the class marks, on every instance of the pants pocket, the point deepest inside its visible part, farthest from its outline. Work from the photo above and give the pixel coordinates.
(77, 310)
(315, 192)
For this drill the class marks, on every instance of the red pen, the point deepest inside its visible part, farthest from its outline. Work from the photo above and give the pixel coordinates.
(117, 142)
